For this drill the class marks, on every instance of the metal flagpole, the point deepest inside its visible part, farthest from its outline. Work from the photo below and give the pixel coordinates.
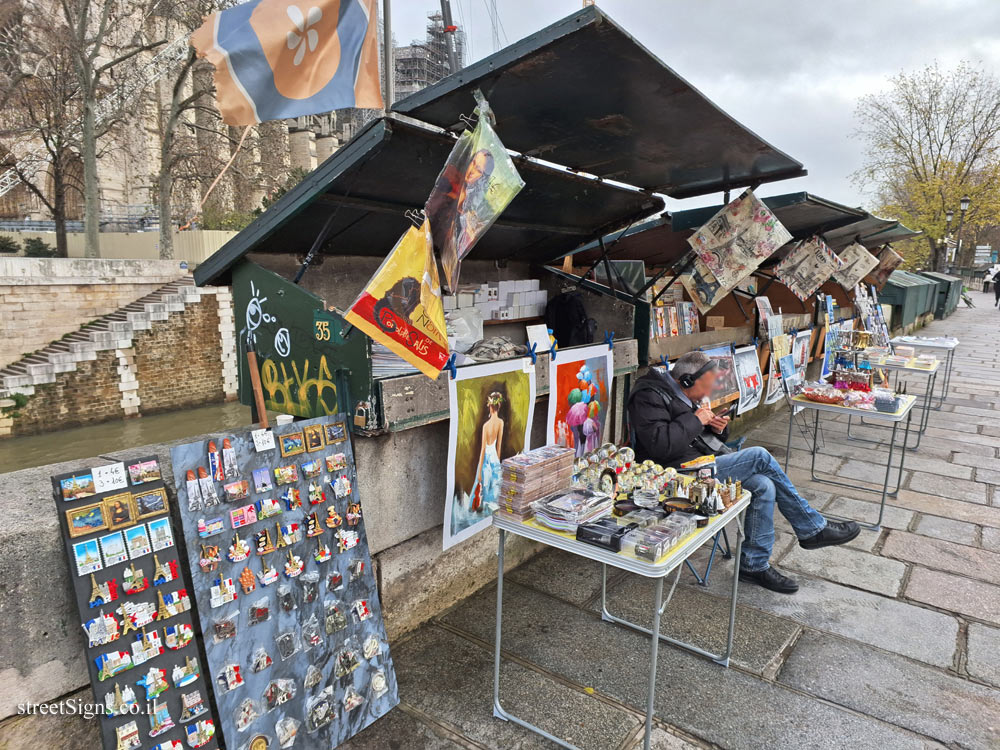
(388, 69)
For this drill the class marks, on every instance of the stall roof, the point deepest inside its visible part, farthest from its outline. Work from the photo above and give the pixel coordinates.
(904, 279)
(391, 166)
(664, 240)
(871, 231)
(583, 93)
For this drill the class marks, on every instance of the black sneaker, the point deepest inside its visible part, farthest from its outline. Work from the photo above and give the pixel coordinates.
(836, 532)
(771, 579)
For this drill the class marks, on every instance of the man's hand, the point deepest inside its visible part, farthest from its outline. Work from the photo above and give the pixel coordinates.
(718, 424)
(705, 415)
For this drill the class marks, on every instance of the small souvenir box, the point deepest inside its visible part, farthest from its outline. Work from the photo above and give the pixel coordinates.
(604, 532)
(649, 544)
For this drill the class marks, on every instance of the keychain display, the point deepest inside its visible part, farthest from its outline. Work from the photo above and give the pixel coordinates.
(298, 663)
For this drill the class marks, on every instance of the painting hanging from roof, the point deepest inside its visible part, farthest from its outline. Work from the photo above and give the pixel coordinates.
(807, 266)
(858, 263)
(888, 261)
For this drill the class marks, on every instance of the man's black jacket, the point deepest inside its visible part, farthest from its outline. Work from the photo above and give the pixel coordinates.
(663, 427)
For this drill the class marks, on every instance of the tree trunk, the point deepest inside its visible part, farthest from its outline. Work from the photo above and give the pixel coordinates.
(59, 213)
(164, 187)
(935, 264)
(91, 185)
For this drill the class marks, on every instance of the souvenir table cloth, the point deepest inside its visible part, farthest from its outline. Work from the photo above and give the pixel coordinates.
(135, 607)
(287, 602)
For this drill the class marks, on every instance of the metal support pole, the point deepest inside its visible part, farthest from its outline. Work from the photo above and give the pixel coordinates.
(388, 66)
(449, 36)
(498, 711)
(654, 649)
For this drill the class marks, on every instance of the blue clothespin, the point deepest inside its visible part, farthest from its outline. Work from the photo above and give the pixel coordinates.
(552, 349)
(756, 341)
(450, 365)
(794, 332)
(609, 339)
(533, 354)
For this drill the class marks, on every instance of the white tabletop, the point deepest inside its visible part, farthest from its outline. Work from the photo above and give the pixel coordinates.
(681, 552)
(908, 367)
(947, 343)
(906, 403)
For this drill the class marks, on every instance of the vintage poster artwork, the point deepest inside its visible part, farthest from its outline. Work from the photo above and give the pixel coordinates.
(888, 261)
(800, 349)
(579, 396)
(738, 239)
(401, 305)
(780, 346)
(492, 407)
(476, 184)
(727, 387)
(749, 378)
(807, 266)
(858, 263)
(702, 286)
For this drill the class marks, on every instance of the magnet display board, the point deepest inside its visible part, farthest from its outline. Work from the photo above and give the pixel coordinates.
(135, 607)
(287, 602)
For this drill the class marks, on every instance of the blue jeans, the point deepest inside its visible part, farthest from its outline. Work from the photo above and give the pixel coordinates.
(763, 477)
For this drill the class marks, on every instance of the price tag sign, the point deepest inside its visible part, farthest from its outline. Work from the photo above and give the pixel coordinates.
(111, 477)
(263, 440)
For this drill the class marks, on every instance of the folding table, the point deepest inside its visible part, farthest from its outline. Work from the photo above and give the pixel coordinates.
(909, 368)
(941, 343)
(658, 570)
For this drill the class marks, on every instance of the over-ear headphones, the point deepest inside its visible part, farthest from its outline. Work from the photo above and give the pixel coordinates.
(688, 380)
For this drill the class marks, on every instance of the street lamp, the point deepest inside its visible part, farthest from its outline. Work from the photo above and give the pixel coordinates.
(963, 205)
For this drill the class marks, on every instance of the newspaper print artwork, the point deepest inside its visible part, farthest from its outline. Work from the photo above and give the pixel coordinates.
(807, 266)
(888, 261)
(858, 263)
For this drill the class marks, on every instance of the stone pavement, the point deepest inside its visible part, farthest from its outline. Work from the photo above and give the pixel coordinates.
(892, 642)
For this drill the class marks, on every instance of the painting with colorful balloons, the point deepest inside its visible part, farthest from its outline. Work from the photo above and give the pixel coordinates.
(580, 388)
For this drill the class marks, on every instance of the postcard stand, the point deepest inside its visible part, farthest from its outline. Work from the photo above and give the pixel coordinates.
(286, 598)
(135, 607)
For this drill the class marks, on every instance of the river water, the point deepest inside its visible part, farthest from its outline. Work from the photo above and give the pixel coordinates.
(106, 437)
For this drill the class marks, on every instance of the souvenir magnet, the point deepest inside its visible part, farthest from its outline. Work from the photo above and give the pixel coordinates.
(361, 610)
(320, 710)
(333, 519)
(78, 487)
(286, 730)
(259, 612)
(239, 550)
(286, 474)
(313, 525)
(379, 684)
(267, 508)
(120, 701)
(316, 494)
(262, 480)
(346, 539)
(291, 444)
(112, 663)
(172, 604)
(311, 469)
(288, 644)
(113, 548)
(314, 437)
(336, 462)
(247, 580)
(225, 628)
(144, 471)
(353, 514)
(155, 682)
(262, 542)
(137, 541)
(222, 592)
(211, 527)
(347, 662)
(149, 503)
(102, 630)
(313, 677)
(192, 706)
(210, 558)
(322, 552)
(245, 714)
(186, 673)
(87, 557)
(177, 636)
(208, 494)
(260, 661)
(127, 736)
(215, 462)
(310, 587)
(352, 699)
(277, 693)
(238, 490)
(160, 721)
(164, 573)
(268, 575)
(160, 534)
(291, 498)
(294, 565)
(133, 581)
(243, 516)
(195, 501)
(146, 646)
(102, 593)
(334, 618)
(229, 678)
(229, 465)
(371, 647)
(287, 535)
(200, 733)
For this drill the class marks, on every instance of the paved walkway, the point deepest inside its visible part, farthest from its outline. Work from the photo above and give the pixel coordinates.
(892, 642)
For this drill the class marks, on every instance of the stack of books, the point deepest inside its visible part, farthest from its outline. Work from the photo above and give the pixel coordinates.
(530, 476)
(565, 510)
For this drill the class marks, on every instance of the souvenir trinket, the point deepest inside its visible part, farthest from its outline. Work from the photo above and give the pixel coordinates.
(335, 582)
(200, 733)
(288, 644)
(352, 699)
(102, 630)
(313, 525)
(225, 628)
(137, 541)
(87, 557)
(229, 678)
(160, 534)
(346, 539)
(278, 692)
(320, 710)
(310, 587)
(267, 508)
(260, 661)
(172, 604)
(316, 494)
(357, 568)
(336, 462)
(119, 511)
(379, 684)
(314, 437)
(192, 706)
(291, 444)
(347, 662)
(177, 636)
(353, 514)
(215, 462)
(239, 550)
(127, 736)
(110, 664)
(211, 527)
(336, 432)
(164, 573)
(229, 465)
(291, 498)
(146, 646)
(160, 720)
(322, 552)
(311, 469)
(259, 742)
(341, 487)
(262, 480)
(245, 715)
(210, 558)
(170, 745)
(120, 701)
(155, 682)
(133, 581)
(259, 611)
(286, 730)
(195, 501)
(294, 566)
(333, 519)
(334, 618)
(209, 496)
(77, 487)
(247, 580)
(286, 474)
(313, 677)
(239, 490)
(243, 516)
(268, 575)
(371, 647)
(361, 610)
(262, 542)
(286, 598)
(222, 592)
(311, 635)
(136, 615)
(102, 593)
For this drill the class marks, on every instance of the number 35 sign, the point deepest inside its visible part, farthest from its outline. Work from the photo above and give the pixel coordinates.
(326, 327)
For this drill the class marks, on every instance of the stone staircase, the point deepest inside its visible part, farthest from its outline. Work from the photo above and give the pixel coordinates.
(112, 331)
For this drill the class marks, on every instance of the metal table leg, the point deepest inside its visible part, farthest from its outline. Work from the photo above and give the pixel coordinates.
(924, 419)
(788, 441)
(946, 384)
(654, 649)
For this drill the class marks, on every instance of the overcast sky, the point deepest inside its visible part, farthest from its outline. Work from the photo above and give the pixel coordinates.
(789, 70)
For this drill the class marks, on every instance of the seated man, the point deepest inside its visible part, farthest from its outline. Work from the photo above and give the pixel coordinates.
(671, 423)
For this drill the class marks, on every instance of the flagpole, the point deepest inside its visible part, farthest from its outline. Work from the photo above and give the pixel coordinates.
(387, 63)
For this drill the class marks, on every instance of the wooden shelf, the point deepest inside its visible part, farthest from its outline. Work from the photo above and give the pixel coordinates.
(526, 321)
